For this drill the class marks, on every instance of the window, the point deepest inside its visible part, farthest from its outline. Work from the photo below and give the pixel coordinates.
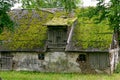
(81, 58)
(41, 56)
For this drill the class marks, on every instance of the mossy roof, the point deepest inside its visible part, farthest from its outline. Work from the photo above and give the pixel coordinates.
(29, 32)
(90, 36)
(61, 21)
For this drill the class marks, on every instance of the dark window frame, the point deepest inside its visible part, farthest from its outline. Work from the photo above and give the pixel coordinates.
(41, 56)
(82, 58)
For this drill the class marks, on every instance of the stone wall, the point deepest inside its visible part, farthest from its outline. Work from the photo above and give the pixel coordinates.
(53, 62)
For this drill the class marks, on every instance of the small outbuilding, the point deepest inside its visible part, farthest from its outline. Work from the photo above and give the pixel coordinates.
(58, 44)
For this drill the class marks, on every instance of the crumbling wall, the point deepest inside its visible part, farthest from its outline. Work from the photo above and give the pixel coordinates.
(65, 62)
(53, 62)
(27, 61)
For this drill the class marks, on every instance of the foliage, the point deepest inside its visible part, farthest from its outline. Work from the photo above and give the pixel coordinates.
(68, 5)
(5, 21)
(91, 35)
(110, 10)
(117, 68)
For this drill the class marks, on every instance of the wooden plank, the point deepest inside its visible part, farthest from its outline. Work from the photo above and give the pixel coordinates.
(6, 61)
(99, 60)
(92, 60)
(96, 60)
(103, 62)
(70, 34)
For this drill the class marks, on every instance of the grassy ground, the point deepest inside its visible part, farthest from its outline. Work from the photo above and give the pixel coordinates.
(12, 75)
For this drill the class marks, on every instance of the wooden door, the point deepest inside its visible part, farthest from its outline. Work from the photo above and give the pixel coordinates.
(6, 61)
(57, 37)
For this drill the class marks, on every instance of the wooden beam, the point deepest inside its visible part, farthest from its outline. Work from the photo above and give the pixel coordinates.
(71, 32)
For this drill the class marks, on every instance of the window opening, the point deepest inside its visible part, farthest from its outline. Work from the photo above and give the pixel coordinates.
(81, 58)
(41, 56)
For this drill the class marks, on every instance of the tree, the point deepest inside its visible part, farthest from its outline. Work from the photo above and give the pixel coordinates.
(110, 11)
(5, 21)
(68, 5)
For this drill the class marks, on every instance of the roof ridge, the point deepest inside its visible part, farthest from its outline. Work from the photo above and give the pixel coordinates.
(50, 10)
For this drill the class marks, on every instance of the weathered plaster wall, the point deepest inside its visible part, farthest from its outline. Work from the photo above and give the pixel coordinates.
(27, 61)
(114, 59)
(54, 62)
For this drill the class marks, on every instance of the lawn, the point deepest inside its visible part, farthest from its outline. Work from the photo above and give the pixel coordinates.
(13, 75)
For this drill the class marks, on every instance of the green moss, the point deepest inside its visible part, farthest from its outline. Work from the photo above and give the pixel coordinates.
(30, 32)
(91, 35)
(61, 21)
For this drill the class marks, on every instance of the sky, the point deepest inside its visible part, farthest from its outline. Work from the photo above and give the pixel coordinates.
(89, 3)
(16, 6)
(85, 3)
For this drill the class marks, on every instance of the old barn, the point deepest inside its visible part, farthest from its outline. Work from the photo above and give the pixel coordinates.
(48, 43)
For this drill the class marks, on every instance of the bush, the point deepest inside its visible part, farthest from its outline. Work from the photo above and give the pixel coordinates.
(117, 68)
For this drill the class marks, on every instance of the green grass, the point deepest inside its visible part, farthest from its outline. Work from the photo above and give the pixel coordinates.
(13, 75)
